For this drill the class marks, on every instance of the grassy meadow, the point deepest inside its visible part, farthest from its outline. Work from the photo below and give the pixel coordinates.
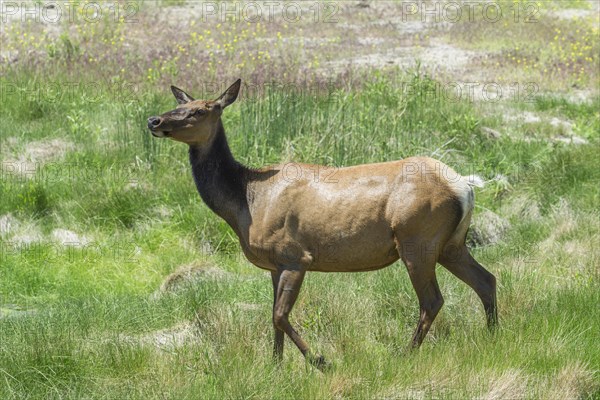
(116, 281)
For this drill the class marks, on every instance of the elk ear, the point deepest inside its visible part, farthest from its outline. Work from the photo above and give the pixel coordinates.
(230, 94)
(181, 96)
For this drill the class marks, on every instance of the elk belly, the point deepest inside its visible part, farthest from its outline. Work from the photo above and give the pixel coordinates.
(345, 228)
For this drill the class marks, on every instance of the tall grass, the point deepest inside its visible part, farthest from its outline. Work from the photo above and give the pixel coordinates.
(81, 321)
(81, 313)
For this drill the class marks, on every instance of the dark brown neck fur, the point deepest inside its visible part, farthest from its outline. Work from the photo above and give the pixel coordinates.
(220, 179)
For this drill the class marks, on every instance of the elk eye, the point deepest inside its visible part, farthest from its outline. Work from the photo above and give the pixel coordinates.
(200, 112)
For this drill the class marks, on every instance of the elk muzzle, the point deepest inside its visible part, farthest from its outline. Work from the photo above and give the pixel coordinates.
(154, 124)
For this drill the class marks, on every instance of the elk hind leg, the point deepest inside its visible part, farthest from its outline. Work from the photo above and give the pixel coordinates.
(460, 263)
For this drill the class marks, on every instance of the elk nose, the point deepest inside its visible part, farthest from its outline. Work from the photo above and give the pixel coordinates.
(153, 122)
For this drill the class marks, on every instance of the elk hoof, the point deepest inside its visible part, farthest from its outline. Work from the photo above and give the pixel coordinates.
(320, 363)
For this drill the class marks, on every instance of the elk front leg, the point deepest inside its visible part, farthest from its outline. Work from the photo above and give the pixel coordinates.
(278, 340)
(288, 289)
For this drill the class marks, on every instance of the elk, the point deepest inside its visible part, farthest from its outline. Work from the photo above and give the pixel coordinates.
(294, 218)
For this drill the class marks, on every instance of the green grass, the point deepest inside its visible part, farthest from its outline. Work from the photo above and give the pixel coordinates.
(79, 321)
(80, 317)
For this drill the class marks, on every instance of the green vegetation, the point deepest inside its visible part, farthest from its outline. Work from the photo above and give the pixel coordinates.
(95, 214)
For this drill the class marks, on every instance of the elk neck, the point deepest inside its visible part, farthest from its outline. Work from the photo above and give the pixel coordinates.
(221, 180)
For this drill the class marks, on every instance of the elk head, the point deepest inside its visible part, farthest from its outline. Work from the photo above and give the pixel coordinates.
(193, 122)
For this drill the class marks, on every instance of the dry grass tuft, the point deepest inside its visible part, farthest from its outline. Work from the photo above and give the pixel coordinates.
(434, 384)
(36, 154)
(8, 223)
(510, 385)
(69, 238)
(187, 275)
(341, 386)
(522, 207)
(488, 228)
(573, 381)
(564, 221)
(169, 338)
(16, 232)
